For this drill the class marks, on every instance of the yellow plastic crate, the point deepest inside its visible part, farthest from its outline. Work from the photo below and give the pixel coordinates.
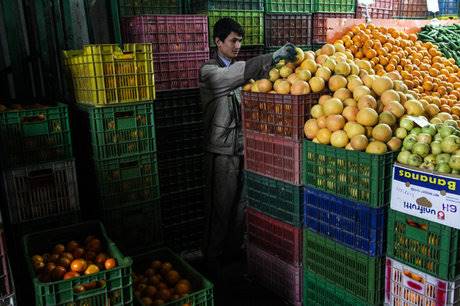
(106, 74)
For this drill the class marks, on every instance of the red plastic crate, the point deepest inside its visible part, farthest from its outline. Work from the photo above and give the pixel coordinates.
(383, 4)
(168, 33)
(411, 9)
(275, 237)
(276, 275)
(283, 28)
(320, 25)
(374, 13)
(178, 70)
(275, 114)
(273, 156)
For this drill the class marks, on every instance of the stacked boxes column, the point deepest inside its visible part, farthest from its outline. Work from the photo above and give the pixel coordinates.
(180, 46)
(423, 249)
(347, 195)
(273, 133)
(114, 115)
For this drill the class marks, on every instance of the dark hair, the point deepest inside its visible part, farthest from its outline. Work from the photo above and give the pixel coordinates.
(225, 26)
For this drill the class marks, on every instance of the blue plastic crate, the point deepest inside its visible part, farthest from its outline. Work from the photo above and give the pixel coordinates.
(448, 7)
(357, 226)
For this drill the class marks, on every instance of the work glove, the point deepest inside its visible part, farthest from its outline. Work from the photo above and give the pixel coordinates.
(286, 52)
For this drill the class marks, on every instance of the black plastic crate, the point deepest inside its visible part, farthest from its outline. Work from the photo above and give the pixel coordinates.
(181, 174)
(134, 228)
(186, 236)
(283, 28)
(181, 206)
(178, 108)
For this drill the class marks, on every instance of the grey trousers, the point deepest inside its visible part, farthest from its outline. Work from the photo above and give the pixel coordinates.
(225, 201)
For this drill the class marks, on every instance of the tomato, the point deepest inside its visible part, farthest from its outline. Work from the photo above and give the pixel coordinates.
(78, 265)
(71, 274)
(92, 269)
(110, 263)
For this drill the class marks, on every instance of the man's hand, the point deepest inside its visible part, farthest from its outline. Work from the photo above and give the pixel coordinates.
(286, 52)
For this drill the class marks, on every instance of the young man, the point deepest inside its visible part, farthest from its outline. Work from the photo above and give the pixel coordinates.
(221, 79)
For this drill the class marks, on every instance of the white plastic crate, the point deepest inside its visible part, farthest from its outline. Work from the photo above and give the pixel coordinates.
(406, 286)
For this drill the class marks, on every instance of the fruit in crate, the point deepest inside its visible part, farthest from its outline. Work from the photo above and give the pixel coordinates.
(434, 147)
(72, 259)
(432, 78)
(363, 110)
(160, 283)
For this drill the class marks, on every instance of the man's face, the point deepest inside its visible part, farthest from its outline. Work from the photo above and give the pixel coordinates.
(231, 46)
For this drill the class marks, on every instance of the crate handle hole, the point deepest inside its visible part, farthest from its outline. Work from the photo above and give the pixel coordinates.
(412, 223)
(124, 114)
(32, 119)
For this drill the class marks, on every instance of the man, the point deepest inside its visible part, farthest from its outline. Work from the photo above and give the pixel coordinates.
(220, 82)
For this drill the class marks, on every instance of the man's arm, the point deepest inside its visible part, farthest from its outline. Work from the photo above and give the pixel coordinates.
(222, 80)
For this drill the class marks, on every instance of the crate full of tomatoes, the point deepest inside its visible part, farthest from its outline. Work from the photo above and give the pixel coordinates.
(78, 264)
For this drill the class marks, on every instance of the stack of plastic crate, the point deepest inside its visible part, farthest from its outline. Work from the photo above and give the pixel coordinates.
(181, 46)
(423, 244)
(249, 13)
(39, 181)
(114, 119)
(324, 9)
(380, 9)
(39, 184)
(273, 134)
(288, 21)
(347, 194)
(448, 9)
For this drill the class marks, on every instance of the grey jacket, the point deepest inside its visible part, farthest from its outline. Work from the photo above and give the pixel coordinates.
(220, 91)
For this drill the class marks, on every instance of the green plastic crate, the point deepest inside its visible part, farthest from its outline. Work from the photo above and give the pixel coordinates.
(334, 6)
(321, 292)
(135, 227)
(118, 287)
(289, 6)
(275, 198)
(425, 245)
(252, 22)
(34, 135)
(360, 275)
(234, 5)
(127, 181)
(357, 176)
(202, 289)
(143, 7)
(120, 130)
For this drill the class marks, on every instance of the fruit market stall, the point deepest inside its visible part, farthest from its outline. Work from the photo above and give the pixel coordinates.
(351, 154)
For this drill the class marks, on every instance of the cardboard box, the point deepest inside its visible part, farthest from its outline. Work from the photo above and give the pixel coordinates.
(428, 195)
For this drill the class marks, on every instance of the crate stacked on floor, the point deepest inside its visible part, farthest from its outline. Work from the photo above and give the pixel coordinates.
(380, 9)
(249, 13)
(39, 181)
(423, 248)
(288, 21)
(39, 184)
(347, 195)
(114, 119)
(181, 46)
(101, 284)
(273, 133)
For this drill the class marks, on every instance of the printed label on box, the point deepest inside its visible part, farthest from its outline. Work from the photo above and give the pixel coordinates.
(430, 196)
